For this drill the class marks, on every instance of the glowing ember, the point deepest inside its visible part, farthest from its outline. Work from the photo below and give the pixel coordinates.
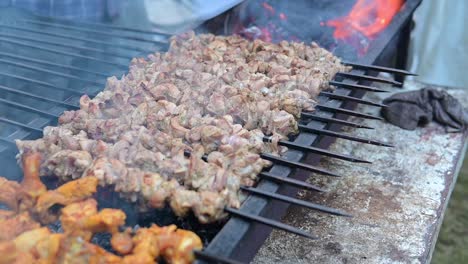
(367, 17)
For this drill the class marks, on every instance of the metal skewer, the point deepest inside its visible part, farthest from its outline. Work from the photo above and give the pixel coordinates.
(344, 136)
(357, 86)
(72, 91)
(299, 165)
(293, 145)
(295, 201)
(14, 42)
(290, 181)
(72, 37)
(59, 65)
(333, 120)
(368, 78)
(41, 98)
(350, 98)
(378, 68)
(94, 24)
(17, 124)
(269, 222)
(99, 32)
(283, 161)
(60, 44)
(28, 108)
(29, 67)
(346, 111)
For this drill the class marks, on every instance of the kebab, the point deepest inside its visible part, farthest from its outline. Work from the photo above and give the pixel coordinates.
(166, 94)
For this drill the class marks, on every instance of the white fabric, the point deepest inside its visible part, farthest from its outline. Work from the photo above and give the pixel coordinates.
(439, 43)
(174, 13)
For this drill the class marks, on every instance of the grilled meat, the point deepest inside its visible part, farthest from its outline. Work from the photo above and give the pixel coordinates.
(214, 96)
(24, 240)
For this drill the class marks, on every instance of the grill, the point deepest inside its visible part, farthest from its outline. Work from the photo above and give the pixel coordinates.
(47, 64)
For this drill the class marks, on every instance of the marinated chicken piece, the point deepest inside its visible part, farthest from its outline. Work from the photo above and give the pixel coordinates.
(176, 245)
(145, 247)
(66, 194)
(77, 250)
(122, 242)
(5, 214)
(15, 225)
(9, 193)
(82, 219)
(23, 240)
(18, 248)
(31, 185)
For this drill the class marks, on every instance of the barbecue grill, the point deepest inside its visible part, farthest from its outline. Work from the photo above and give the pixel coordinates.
(46, 62)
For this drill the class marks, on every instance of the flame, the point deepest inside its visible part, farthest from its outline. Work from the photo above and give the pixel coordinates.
(368, 17)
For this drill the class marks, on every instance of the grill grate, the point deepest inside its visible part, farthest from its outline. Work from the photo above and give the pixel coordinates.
(38, 86)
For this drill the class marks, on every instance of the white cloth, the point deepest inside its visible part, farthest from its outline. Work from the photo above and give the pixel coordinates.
(439, 43)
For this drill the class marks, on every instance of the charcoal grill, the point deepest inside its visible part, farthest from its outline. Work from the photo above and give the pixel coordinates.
(36, 87)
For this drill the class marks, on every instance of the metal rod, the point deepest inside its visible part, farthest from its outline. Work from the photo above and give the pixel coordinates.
(270, 176)
(11, 90)
(28, 108)
(378, 68)
(294, 164)
(290, 181)
(357, 86)
(55, 51)
(114, 54)
(368, 77)
(53, 64)
(350, 98)
(293, 145)
(269, 222)
(214, 258)
(94, 24)
(283, 161)
(72, 91)
(69, 76)
(14, 123)
(295, 201)
(68, 37)
(344, 136)
(346, 111)
(333, 120)
(99, 32)
(5, 140)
